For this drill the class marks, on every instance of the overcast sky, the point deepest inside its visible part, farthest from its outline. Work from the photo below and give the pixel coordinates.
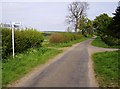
(48, 16)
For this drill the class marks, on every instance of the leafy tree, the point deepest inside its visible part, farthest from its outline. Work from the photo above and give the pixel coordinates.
(76, 11)
(109, 28)
(82, 25)
(89, 27)
(86, 26)
(114, 27)
(101, 24)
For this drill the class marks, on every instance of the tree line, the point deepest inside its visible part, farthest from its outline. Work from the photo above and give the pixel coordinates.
(77, 17)
(108, 28)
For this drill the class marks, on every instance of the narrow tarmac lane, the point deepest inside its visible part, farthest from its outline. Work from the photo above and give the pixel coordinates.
(73, 69)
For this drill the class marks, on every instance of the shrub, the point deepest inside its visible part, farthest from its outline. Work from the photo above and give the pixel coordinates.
(111, 41)
(68, 37)
(63, 37)
(56, 38)
(24, 39)
(6, 42)
(77, 36)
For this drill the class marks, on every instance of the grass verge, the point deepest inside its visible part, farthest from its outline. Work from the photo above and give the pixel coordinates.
(106, 66)
(99, 43)
(14, 69)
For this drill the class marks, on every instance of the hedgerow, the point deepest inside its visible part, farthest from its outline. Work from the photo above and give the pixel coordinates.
(111, 41)
(63, 37)
(24, 39)
(56, 38)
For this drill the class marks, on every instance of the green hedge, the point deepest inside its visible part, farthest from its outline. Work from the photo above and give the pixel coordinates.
(24, 39)
(56, 38)
(64, 37)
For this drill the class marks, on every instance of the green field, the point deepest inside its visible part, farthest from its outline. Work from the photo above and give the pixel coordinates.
(106, 66)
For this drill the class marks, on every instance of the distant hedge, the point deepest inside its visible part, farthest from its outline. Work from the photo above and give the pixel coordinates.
(24, 39)
(63, 37)
(56, 38)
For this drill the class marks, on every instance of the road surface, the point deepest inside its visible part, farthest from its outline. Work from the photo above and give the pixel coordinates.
(72, 69)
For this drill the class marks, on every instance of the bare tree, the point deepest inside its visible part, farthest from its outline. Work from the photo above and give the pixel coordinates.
(76, 11)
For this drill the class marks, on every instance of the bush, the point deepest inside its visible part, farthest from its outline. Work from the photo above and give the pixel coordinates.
(77, 36)
(24, 39)
(6, 42)
(111, 41)
(63, 37)
(56, 38)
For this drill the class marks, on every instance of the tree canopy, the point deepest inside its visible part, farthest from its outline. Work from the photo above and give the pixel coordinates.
(76, 11)
(86, 26)
(101, 23)
(108, 28)
(114, 27)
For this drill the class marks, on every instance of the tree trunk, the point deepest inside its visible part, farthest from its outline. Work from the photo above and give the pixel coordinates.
(76, 25)
(75, 28)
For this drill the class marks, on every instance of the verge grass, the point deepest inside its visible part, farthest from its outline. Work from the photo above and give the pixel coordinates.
(106, 66)
(14, 69)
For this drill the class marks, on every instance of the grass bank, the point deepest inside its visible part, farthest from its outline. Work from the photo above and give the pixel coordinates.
(14, 69)
(106, 67)
(99, 43)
